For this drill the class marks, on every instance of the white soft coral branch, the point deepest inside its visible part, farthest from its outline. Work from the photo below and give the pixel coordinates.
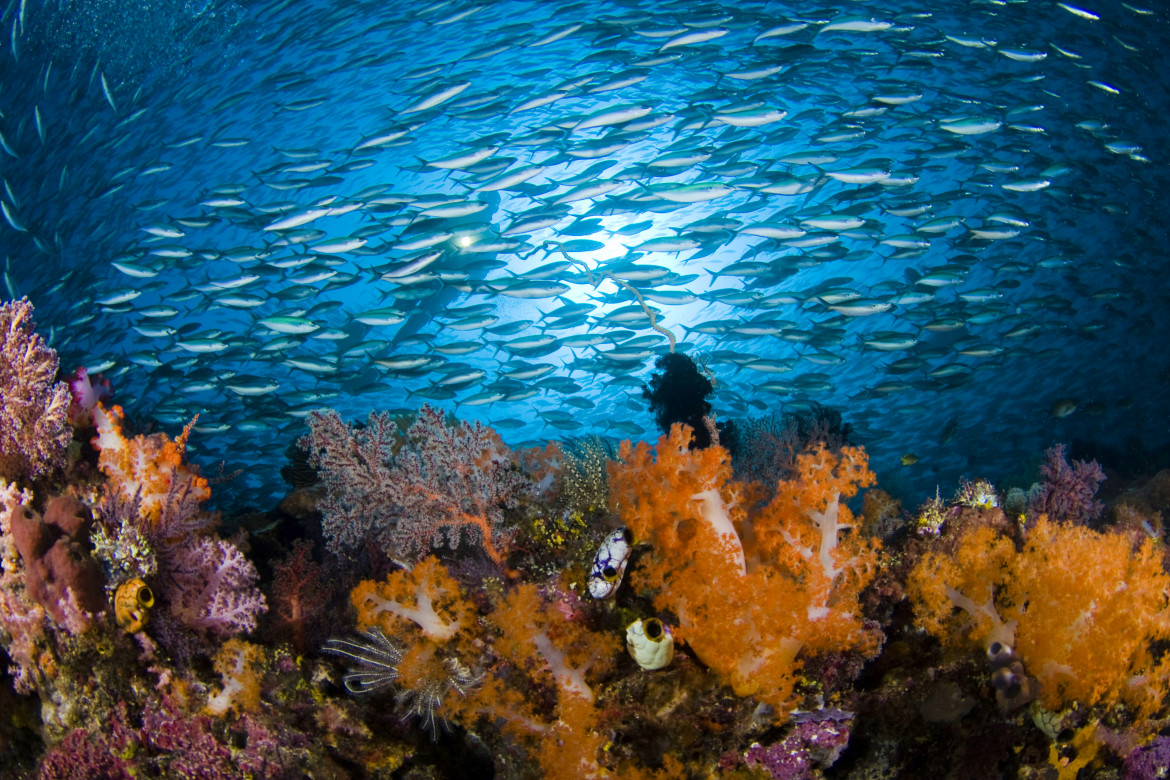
(423, 613)
(1004, 633)
(828, 526)
(569, 679)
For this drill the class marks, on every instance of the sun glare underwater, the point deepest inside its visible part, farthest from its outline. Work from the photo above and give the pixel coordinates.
(944, 220)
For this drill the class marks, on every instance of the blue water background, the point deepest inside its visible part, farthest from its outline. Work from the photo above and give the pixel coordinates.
(220, 94)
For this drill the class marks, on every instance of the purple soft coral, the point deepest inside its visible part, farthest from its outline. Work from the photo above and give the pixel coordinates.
(34, 429)
(1066, 493)
(817, 740)
(1149, 762)
(211, 585)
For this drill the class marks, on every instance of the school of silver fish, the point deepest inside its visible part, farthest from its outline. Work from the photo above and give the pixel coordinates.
(941, 218)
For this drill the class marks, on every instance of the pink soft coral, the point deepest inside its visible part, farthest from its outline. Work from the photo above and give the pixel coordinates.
(84, 394)
(212, 586)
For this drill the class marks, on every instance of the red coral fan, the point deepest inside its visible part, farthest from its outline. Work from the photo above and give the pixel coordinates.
(1082, 609)
(435, 484)
(301, 591)
(751, 590)
(354, 465)
(34, 425)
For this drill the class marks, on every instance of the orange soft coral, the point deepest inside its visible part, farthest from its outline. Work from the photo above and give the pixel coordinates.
(809, 532)
(424, 599)
(750, 591)
(429, 628)
(671, 497)
(971, 578)
(151, 467)
(1086, 609)
(536, 637)
(240, 665)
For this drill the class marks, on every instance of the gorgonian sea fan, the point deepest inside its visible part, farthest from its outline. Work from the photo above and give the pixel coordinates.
(34, 428)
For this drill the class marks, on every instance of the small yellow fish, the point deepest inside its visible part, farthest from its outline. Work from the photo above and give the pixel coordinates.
(1063, 407)
(909, 459)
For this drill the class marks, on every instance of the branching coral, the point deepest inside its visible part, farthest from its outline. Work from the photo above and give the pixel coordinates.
(410, 492)
(751, 590)
(1082, 609)
(34, 426)
(301, 594)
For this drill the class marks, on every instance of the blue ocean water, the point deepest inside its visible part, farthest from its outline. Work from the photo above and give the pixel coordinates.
(976, 189)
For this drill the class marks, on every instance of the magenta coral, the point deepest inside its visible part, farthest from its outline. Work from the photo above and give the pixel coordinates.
(1066, 493)
(84, 394)
(444, 481)
(34, 428)
(83, 756)
(817, 740)
(1149, 762)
